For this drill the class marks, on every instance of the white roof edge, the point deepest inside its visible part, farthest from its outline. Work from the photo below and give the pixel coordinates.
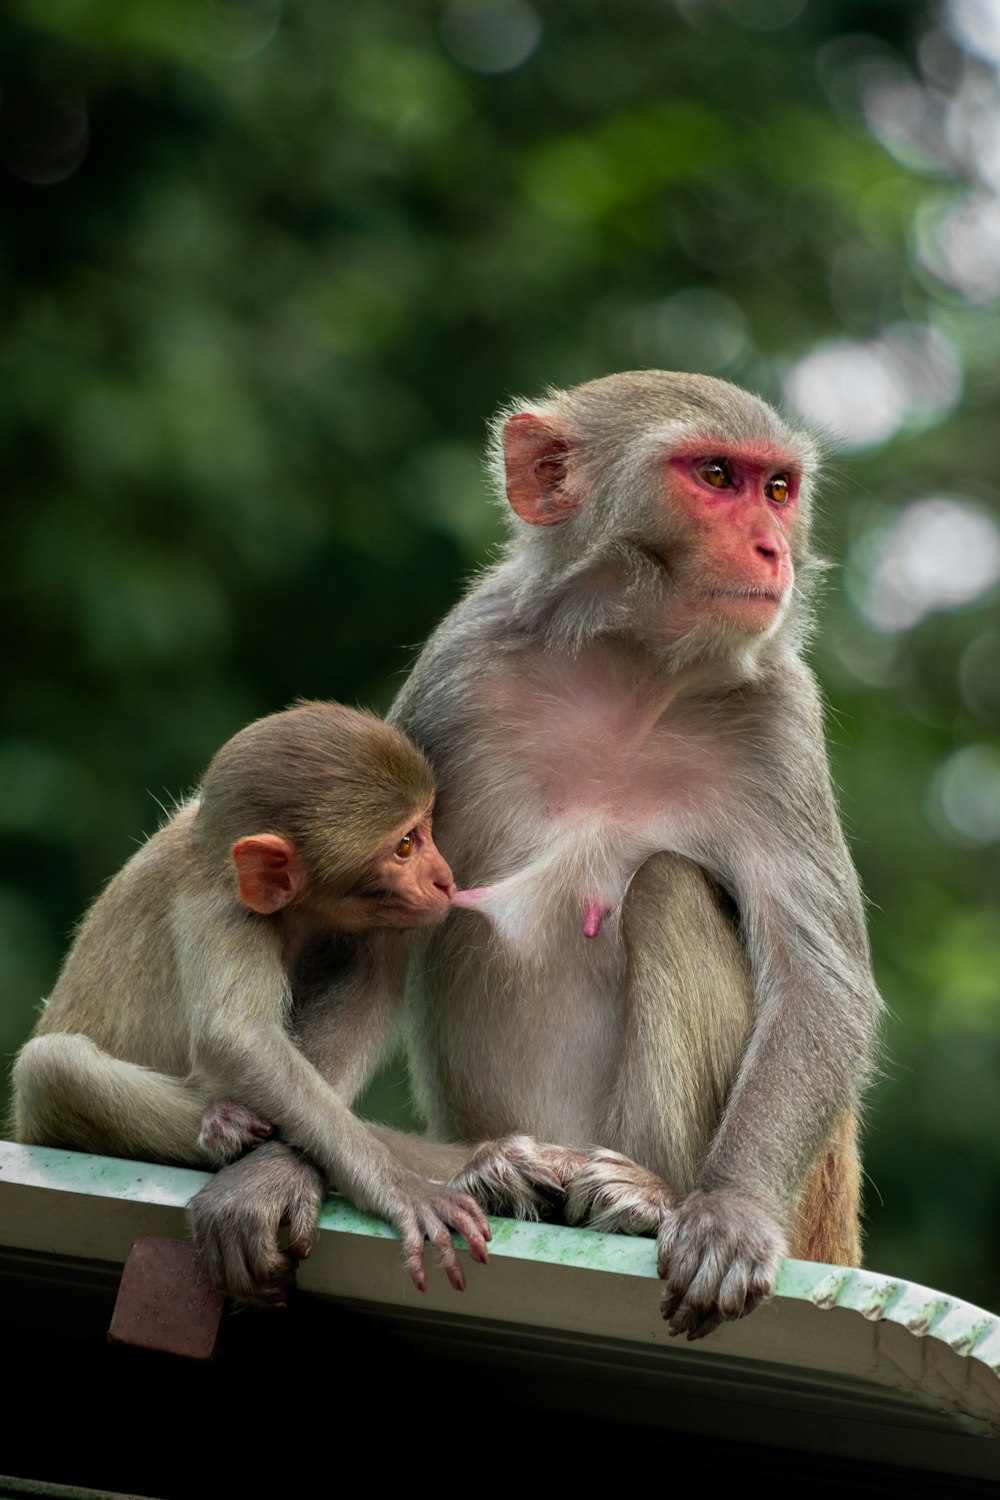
(903, 1348)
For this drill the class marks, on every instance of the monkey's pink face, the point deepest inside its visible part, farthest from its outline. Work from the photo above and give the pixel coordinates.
(739, 503)
(413, 882)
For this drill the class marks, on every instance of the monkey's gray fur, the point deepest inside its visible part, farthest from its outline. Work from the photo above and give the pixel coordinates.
(721, 1028)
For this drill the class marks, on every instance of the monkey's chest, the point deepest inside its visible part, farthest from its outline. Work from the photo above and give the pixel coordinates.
(581, 743)
(586, 772)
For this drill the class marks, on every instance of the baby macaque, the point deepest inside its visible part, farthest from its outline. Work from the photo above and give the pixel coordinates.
(175, 1027)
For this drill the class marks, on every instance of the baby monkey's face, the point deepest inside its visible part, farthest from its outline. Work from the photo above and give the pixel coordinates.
(408, 885)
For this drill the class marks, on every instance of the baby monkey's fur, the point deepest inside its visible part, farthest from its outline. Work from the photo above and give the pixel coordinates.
(191, 975)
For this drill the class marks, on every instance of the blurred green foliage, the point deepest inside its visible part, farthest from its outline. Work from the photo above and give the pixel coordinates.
(265, 272)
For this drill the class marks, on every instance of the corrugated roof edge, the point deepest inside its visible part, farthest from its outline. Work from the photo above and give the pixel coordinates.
(969, 1330)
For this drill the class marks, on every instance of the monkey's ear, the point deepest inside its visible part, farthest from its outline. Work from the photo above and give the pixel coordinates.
(267, 868)
(535, 454)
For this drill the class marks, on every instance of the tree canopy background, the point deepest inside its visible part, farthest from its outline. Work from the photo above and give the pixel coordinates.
(266, 269)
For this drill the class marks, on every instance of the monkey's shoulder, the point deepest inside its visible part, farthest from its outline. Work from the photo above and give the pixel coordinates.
(474, 638)
(122, 961)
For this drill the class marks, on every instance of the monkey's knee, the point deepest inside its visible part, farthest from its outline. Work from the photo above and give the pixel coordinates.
(70, 1093)
(49, 1082)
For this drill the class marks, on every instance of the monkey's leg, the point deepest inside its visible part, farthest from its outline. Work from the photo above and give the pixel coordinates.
(69, 1093)
(689, 1010)
(686, 1015)
(826, 1224)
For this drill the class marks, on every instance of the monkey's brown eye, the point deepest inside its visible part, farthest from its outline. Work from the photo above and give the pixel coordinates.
(717, 473)
(405, 846)
(776, 489)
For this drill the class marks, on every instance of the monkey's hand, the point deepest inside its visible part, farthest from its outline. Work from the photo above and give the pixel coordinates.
(719, 1256)
(235, 1219)
(430, 1211)
(517, 1176)
(228, 1129)
(614, 1194)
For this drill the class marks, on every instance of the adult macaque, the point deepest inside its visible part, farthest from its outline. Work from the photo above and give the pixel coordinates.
(181, 991)
(633, 785)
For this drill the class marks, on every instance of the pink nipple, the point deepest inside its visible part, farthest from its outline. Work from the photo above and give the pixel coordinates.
(594, 912)
(470, 899)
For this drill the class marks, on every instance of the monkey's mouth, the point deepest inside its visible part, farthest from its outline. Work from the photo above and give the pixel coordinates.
(397, 911)
(749, 595)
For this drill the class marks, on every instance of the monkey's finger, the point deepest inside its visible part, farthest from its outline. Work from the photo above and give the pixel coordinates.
(679, 1259)
(696, 1322)
(302, 1215)
(413, 1254)
(748, 1283)
(248, 1273)
(546, 1168)
(471, 1210)
(693, 1311)
(540, 1176)
(440, 1237)
(722, 1292)
(687, 1286)
(261, 1277)
(470, 1230)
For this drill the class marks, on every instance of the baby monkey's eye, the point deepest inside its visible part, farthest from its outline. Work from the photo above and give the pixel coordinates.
(717, 473)
(776, 489)
(405, 846)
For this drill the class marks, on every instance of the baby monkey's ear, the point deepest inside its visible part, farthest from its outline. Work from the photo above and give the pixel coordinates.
(268, 871)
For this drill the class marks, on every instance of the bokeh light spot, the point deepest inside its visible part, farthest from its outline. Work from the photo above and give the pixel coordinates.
(845, 388)
(976, 24)
(237, 29)
(936, 554)
(861, 394)
(490, 36)
(965, 792)
(43, 140)
(960, 244)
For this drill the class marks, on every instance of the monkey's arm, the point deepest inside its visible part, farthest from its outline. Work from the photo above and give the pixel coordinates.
(516, 1176)
(342, 1028)
(816, 1014)
(231, 966)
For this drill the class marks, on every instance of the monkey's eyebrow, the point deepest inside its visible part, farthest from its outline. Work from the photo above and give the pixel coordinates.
(761, 456)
